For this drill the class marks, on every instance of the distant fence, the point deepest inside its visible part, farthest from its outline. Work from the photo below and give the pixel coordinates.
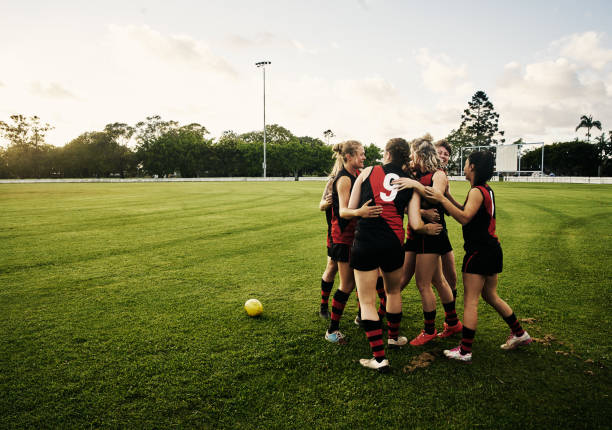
(548, 179)
(128, 180)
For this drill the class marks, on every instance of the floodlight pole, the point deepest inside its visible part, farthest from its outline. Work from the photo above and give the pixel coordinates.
(263, 65)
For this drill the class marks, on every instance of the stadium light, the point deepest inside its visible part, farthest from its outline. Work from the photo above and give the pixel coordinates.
(263, 65)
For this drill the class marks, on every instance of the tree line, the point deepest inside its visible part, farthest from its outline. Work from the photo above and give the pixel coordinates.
(157, 147)
(162, 148)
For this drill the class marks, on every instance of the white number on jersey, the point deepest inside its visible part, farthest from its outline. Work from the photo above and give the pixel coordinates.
(392, 189)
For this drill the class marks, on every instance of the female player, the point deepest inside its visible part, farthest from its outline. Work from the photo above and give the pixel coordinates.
(483, 255)
(429, 248)
(327, 280)
(350, 156)
(378, 245)
(443, 149)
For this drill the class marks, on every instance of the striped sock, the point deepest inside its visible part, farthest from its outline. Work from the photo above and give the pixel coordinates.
(514, 325)
(373, 331)
(326, 288)
(380, 289)
(338, 303)
(455, 294)
(450, 314)
(430, 321)
(393, 323)
(468, 340)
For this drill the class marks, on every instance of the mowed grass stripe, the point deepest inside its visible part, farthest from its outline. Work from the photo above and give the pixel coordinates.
(136, 319)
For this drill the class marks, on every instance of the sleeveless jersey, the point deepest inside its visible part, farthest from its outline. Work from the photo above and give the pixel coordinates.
(480, 231)
(342, 230)
(378, 187)
(427, 180)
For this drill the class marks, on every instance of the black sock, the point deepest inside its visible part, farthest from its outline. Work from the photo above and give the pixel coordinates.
(326, 288)
(393, 323)
(430, 321)
(450, 314)
(514, 325)
(338, 303)
(373, 330)
(468, 340)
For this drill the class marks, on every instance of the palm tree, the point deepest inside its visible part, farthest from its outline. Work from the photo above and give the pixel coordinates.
(328, 135)
(588, 123)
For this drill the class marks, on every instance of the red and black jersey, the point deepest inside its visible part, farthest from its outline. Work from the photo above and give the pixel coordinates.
(328, 218)
(427, 180)
(342, 230)
(378, 188)
(480, 231)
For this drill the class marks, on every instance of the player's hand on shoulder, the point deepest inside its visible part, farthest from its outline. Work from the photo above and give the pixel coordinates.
(433, 195)
(366, 211)
(403, 183)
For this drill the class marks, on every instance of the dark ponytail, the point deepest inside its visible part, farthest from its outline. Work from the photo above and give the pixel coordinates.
(399, 150)
(484, 166)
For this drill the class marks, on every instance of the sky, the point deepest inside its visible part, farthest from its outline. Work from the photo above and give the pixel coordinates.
(368, 70)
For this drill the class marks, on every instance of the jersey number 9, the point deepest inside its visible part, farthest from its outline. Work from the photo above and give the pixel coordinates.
(391, 188)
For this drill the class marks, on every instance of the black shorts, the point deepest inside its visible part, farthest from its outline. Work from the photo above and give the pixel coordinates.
(329, 251)
(366, 256)
(485, 261)
(340, 252)
(410, 245)
(426, 244)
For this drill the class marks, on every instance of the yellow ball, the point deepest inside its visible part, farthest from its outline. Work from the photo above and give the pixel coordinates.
(253, 307)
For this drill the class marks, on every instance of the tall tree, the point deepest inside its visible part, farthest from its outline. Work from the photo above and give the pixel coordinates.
(27, 154)
(24, 131)
(328, 134)
(587, 122)
(480, 122)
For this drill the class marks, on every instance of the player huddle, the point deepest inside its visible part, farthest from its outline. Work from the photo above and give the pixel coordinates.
(368, 246)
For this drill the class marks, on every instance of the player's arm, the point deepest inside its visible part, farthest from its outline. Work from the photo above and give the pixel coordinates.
(405, 183)
(450, 197)
(463, 216)
(326, 198)
(351, 210)
(415, 221)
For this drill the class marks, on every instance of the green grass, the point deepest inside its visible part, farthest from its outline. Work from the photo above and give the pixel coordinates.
(121, 306)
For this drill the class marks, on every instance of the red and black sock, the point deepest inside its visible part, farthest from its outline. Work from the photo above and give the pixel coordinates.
(380, 289)
(430, 321)
(514, 325)
(450, 314)
(338, 303)
(393, 323)
(326, 288)
(455, 294)
(468, 340)
(373, 330)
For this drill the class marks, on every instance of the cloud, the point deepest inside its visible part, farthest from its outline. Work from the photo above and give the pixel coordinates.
(269, 40)
(585, 48)
(52, 90)
(300, 47)
(169, 49)
(260, 39)
(439, 73)
(548, 98)
(371, 90)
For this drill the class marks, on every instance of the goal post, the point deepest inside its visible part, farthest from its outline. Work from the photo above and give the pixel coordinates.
(507, 157)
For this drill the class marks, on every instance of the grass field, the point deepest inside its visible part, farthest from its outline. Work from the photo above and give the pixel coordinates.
(121, 306)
